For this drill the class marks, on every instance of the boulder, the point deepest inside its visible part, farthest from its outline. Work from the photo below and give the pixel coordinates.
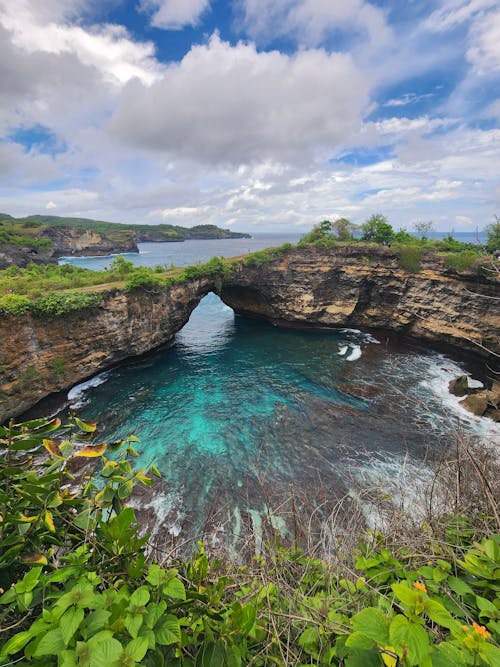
(459, 386)
(476, 403)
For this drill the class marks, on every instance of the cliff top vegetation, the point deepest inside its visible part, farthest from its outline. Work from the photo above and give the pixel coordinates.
(30, 231)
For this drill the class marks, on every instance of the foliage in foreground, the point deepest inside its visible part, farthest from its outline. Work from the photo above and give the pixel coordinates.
(79, 589)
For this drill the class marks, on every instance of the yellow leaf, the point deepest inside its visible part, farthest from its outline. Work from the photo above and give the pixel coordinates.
(92, 450)
(389, 660)
(27, 519)
(49, 521)
(53, 448)
(34, 559)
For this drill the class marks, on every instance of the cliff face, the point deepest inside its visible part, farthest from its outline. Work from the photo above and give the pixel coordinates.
(64, 241)
(345, 287)
(354, 286)
(73, 241)
(39, 357)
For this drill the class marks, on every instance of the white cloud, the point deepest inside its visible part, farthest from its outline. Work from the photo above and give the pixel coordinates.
(50, 205)
(310, 21)
(453, 13)
(484, 40)
(233, 104)
(175, 14)
(108, 48)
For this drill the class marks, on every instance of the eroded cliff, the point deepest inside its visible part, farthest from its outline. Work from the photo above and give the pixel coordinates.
(39, 356)
(349, 286)
(366, 287)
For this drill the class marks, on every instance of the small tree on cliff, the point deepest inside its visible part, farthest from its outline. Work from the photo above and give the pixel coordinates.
(344, 229)
(424, 228)
(493, 235)
(377, 229)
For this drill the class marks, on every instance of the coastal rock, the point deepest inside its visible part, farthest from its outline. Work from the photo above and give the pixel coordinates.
(349, 286)
(459, 386)
(476, 403)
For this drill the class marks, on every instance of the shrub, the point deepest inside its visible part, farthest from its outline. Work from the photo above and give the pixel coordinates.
(410, 257)
(62, 303)
(144, 279)
(14, 304)
(461, 261)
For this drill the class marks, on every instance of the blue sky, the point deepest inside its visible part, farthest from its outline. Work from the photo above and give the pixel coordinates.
(251, 114)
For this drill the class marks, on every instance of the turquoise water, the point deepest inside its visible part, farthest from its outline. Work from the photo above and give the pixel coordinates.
(238, 415)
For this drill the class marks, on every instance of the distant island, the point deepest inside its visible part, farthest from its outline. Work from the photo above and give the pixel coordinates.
(45, 238)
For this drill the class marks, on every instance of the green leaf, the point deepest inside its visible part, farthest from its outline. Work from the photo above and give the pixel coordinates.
(242, 617)
(359, 640)
(137, 648)
(437, 613)
(372, 623)
(133, 623)
(445, 654)
(51, 643)
(174, 589)
(404, 593)
(69, 623)
(154, 612)
(94, 622)
(459, 586)
(490, 654)
(16, 643)
(139, 597)
(105, 652)
(358, 658)
(487, 608)
(168, 631)
(410, 639)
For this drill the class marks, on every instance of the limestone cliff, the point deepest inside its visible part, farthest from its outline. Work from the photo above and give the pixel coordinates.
(365, 287)
(39, 357)
(351, 286)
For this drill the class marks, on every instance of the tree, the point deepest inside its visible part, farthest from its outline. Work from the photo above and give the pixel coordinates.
(424, 228)
(377, 229)
(343, 229)
(493, 234)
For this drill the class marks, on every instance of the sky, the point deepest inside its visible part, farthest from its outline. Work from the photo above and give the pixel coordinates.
(255, 115)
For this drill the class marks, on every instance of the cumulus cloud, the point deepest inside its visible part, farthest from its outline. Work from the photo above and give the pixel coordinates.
(310, 21)
(233, 104)
(107, 48)
(174, 14)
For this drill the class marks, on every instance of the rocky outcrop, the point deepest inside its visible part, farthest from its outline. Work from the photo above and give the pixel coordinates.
(349, 286)
(73, 241)
(62, 242)
(39, 357)
(365, 287)
(479, 400)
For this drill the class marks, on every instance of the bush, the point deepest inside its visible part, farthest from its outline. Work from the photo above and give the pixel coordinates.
(410, 257)
(145, 279)
(14, 304)
(63, 303)
(461, 261)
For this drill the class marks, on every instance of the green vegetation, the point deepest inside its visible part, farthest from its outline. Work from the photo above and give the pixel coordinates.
(79, 589)
(410, 257)
(493, 232)
(378, 230)
(464, 260)
(52, 291)
(410, 249)
(25, 231)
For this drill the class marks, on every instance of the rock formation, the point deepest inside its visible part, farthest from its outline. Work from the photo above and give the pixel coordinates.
(349, 286)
